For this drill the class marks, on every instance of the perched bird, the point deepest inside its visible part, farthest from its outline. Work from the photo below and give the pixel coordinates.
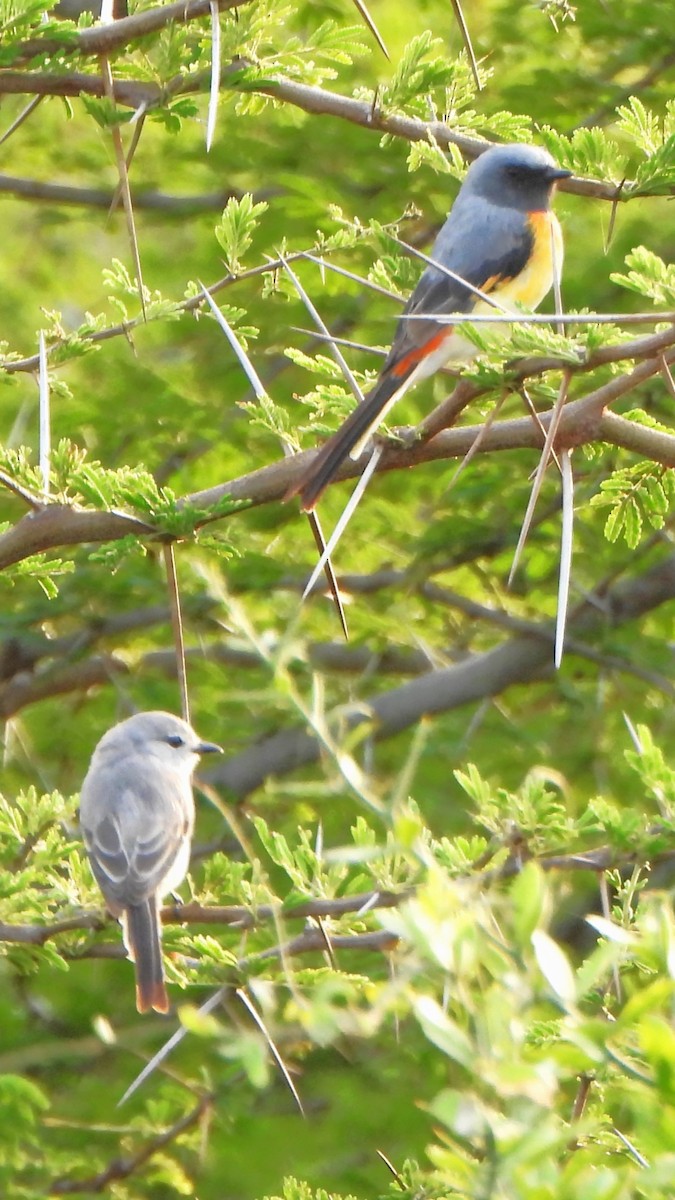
(500, 237)
(137, 813)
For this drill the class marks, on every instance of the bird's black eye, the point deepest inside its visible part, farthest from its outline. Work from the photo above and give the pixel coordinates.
(175, 740)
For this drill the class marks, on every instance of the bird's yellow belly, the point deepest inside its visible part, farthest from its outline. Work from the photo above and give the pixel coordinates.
(530, 287)
(526, 289)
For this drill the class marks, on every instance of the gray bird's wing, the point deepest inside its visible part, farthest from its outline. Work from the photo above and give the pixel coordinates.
(135, 819)
(482, 243)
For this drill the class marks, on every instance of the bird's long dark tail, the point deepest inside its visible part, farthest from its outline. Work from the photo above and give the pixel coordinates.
(356, 429)
(141, 937)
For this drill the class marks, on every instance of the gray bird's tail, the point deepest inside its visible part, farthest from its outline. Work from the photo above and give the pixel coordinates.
(141, 938)
(354, 431)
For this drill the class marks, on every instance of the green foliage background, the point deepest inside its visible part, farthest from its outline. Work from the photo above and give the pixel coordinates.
(458, 1049)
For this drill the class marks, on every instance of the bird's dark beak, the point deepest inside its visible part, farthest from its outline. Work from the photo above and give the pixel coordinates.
(208, 748)
(556, 173)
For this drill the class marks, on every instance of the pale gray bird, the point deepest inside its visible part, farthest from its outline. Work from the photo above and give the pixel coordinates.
(137, 814)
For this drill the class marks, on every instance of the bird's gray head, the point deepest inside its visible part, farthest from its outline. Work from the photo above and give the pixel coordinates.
(159, 734)
(515, 176)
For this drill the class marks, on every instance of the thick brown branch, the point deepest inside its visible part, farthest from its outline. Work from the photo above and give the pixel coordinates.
(24, 652)
(315, 939)
(199, 914)
(245, 918)
(59, 193)
(582, 421)
(37, 935)
(321, 102)
(649, 346)
(574, 646)
(106, 38)
(314, 100)
(127, 92)
(64, 525)
(519, 660)
(29, 688)
(235, 916)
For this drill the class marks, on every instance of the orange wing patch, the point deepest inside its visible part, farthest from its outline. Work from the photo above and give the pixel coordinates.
(495, 281)
(413, 357)
(527, 288)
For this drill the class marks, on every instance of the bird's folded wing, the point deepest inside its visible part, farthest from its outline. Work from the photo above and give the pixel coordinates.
(135, 842)
(485, 261)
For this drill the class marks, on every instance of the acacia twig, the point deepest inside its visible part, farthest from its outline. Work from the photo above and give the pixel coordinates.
(314, 100)
(481, 676)
(124, 1168)
(149, 198)
(582, 421)
(106, 38)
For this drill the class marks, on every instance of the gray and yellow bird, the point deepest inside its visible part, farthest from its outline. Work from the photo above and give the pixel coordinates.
(502, 238)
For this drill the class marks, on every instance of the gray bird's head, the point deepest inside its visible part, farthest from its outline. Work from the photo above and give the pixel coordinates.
(159, 734)
(515, 176)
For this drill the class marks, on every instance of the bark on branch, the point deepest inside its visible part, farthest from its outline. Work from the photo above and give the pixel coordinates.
(519, 660)
(105, 39)
(582, 421)
(314, 100)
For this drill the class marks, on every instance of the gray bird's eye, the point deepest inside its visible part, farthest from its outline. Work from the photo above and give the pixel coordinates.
(175, 740)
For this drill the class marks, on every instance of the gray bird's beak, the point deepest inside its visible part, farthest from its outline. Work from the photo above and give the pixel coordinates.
(559, 173)
(208, 748)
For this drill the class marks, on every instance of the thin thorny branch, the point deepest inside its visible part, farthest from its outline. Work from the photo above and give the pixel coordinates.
(122, 1168)
(600, 859)
(104, 39)
(581, 421)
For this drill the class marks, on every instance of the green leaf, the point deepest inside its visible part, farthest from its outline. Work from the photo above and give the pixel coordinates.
(554, 966)
(635, 495)
(641, 125)
(236, 227)
(649, 276)
(443, 1032)
(586, 152)
(527, 896)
